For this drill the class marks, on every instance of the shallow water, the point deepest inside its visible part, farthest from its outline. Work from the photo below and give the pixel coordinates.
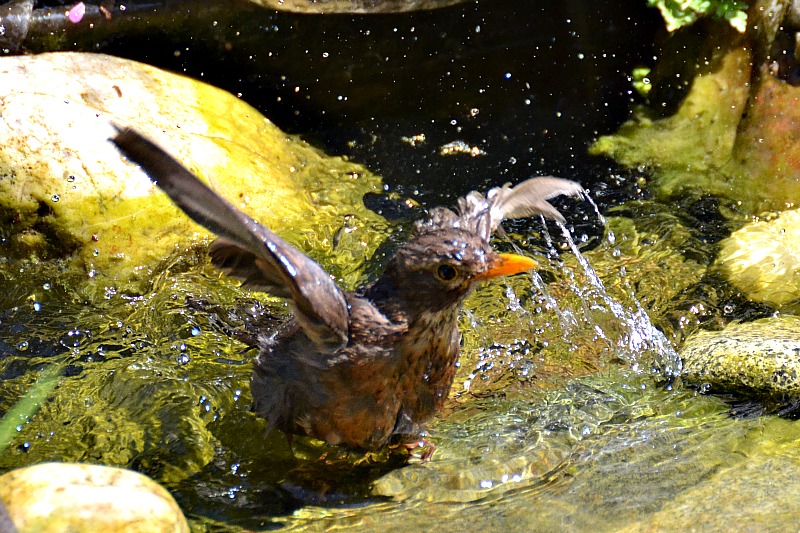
(561, 417)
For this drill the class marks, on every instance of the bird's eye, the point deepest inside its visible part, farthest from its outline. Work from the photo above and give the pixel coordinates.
(446, 273)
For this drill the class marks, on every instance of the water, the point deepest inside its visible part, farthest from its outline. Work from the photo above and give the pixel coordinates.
(641, 336)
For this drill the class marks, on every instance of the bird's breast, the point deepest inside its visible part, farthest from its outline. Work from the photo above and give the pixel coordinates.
(428, 358)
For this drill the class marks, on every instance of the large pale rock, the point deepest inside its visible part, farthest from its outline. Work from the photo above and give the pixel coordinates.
(71, 497)
(65, 191)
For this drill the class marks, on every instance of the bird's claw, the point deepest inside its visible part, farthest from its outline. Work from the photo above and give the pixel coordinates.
(423, 444)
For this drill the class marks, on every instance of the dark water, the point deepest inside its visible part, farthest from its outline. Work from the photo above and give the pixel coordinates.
(529, 83)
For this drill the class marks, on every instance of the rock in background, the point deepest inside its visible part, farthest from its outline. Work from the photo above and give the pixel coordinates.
(66, 193)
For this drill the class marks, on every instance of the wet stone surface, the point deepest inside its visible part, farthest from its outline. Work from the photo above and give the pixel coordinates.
(761, 356)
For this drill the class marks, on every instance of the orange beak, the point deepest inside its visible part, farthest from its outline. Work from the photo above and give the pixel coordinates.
(508, 264)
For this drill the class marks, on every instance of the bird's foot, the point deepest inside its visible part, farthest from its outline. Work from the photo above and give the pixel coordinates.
(423, 444)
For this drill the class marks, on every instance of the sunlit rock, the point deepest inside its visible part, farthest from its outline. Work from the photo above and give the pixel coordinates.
(67, 193)
(762, 259)
(734, 133)
(761, 356)
(69, 497)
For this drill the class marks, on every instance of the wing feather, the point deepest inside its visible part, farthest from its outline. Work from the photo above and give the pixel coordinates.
(246, 249)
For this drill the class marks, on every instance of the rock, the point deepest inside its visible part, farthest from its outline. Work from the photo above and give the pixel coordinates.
(6, 525)
(15, 18)
(66, 193)
(760, 357)
(734, 134)
(761, 259)
(692, 147)
(72, 497)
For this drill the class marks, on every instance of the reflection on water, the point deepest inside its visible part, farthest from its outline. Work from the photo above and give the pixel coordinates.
(597, 456)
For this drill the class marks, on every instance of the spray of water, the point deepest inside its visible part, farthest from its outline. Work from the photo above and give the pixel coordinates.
(634, 337)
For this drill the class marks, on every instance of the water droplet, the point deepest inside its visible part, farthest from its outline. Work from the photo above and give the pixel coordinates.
(56, 198)
(37, 306)
(46, 286)
(22, 346)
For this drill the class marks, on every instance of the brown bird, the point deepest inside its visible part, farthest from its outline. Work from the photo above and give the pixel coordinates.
(369, 367)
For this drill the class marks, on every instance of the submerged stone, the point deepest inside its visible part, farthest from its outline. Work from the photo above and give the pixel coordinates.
(757, 357)
(70, 497)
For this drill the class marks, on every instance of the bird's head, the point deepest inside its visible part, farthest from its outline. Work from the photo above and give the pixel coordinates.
(439, 268)
(450, 251)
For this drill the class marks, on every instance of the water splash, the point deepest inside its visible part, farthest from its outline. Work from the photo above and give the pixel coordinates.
(640, 335)
(626, 330)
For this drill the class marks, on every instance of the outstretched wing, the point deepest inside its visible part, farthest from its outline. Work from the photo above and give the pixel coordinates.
(247, 250)
(530, 198)
(483, 214)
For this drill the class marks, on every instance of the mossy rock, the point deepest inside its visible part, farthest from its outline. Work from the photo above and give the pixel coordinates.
(692, 147)
(761, 357)
(733, 135)
(67, 193)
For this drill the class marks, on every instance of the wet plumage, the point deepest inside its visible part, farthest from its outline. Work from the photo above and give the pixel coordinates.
(371, 366)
